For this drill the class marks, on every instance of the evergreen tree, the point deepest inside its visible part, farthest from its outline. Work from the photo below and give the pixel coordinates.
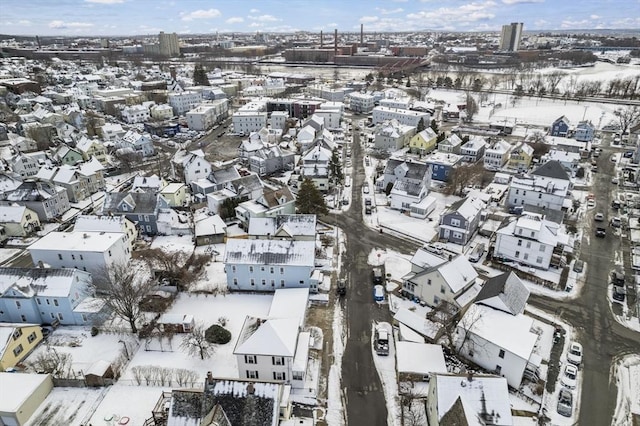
(421, 126)
(200, 76)
(310, 200)
(335, 168)
(434, 126)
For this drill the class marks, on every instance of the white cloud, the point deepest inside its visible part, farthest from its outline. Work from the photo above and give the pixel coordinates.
(445, 17)
(521, 1)
(369, 19)
(541, 23)
(234, 20)
(594, 17)
(200, 14)
(24, 22)
(105, 1)
(61, 25)
(389, 11)
(254, 11)
(569, 24)
(263, 18)
(256, 25)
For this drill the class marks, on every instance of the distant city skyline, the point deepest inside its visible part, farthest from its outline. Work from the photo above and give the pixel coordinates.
(143, 17)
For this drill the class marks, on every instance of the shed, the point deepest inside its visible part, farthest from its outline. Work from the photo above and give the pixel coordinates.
(177, 323)
(99, 373)
(210, 230)
(22, 394)
(417, 361)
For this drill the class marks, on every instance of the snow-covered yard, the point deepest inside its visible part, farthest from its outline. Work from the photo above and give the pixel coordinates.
(627, 376)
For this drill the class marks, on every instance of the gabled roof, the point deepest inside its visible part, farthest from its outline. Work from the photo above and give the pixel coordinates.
(467, 207)
(414, 170)
(505, 292)
(552, 169)
(272, 337)
(53, 282)
(142, 202)
(12, 214)
(562, 118)
(270, 252)
(458, 273)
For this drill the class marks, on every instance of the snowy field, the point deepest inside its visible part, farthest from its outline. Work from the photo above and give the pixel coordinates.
(627, 376)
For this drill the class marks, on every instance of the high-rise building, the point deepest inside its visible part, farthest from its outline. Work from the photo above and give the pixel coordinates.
(168, 44)
(510, 37)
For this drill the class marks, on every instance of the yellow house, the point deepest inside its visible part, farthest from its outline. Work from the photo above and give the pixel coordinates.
(423, 142)
(19, 221)
(92, 148)
(16, 342)
(520, 157)
(175, 194)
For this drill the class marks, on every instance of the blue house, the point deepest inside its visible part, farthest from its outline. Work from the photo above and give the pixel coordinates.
(48, 295)
(141, 208)
(560, 127)
(585, 131)
(264, 265)
(442, 164)
(460, 221)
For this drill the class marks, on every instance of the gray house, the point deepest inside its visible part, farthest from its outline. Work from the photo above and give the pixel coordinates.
(141, 208)
(473, 150)
(461, 220)
(270, 159)
(412, 172)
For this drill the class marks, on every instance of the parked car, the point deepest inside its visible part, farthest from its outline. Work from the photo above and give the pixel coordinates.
(599, 217)
(381, 341)
(569, 376)
(477, 253)
(591, 203)
(377, 276)
(619, 293)
(378, 293)
(617, 275)
(614, 180)
(574, 356)
(578, 266)
(367, 210)
(601, 232)
(616, 222)
(565, 403)
(365, 188)
(628, 154)
(594, 169)
(342, 287)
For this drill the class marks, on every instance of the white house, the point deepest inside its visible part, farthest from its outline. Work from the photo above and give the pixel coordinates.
(161, 112)
(89, 251)
(532, 240)
(434, 279)
(546, 187)
(266, 265)
(469, 400)
(361, 102)
(140, 143)
(108, 223)
(315, 166)
(195, 166)
(496, 155)
(135, 114)
(406, 117)
(569, 160)
(181, 102)
(392, 136)
(473, 150)
(18, 221)
(249, 121)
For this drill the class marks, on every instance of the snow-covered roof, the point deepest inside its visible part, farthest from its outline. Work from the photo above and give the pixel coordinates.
(480, 394)
(458, 273)
(417, 323)
(290, 224)
(89, 223)
(98, 368)
(12, 214)
(420, 358)
(513, 334)
(78, 241)
(46, 282)
(272, 337)
(22, 386)
(270, 252)
(408, 335)
(290, 303)
(210, 225)
(176, 319)
(505, 292)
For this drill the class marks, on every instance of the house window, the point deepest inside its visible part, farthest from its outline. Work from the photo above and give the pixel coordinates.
(60, 317)
(517, 191)
(23, 318)
(73, 257)
(517, 254)
(59, 256)
(455, 222)
(498, 369)
(253, 282)
(528, 244)
(542, 248)
(251, 269)
(273, 283)
(429, 281)
(526, 256)
(539, 195)
(17, 350)
(279, 376)
(298, 375)
(264, 282)
(262, 269)
(31, 337)
(501, 354)
(233, 269)
(17, 334)
(250, 359)
(442, 289)
(539, 259)
(39, 301)
(55, 302)
(281, 283)
(281, 271)
(252, 374)
(109, 253)
(519, 243)
(235, 281)
(277, 360)
(18, 304)
(520, 231)
(436, 300)
(81, 257)
(533, 234)
(271, 270)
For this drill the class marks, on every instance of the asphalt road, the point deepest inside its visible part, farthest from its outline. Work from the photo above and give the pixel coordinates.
(603, 338)
(365, 402)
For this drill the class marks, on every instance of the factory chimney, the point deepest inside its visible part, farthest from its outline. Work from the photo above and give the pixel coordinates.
(321, 40)
(335, 42)
(361, 34)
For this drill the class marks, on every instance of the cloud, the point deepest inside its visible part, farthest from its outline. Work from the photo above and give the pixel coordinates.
(390, 11)
(234, 20)
(594, 17)
(451, 16)
(369, 19)
(24, 22)
(200, 14)
(521, 1)
(254, 11)
(105, 1)
(61, 25)
(263, 18)
(568, 23)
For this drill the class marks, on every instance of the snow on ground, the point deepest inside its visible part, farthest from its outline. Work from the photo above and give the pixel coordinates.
(171, 243)
(206, 309)
(68, 406)
(386, 367)
(8, 253)
(335, 415)
(627, 375)
(120, 402)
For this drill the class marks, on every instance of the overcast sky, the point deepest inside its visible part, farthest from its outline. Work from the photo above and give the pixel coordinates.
(136, 17)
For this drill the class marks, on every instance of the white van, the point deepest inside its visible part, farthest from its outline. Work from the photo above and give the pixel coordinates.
(476, 253)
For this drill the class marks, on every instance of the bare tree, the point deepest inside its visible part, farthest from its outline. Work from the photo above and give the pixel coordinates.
(553, 80)
(195, 343)
(123, 287)
(462, 176)
(463, 331)
(53, 362)
(180, 268)
(471, 107)
(627, 116)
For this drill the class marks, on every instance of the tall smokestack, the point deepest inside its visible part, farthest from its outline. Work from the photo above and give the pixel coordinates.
(335, 42)
(321, 40)
(361, 34)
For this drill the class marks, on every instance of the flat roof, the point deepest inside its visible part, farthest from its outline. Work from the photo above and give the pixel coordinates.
(84, 241)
